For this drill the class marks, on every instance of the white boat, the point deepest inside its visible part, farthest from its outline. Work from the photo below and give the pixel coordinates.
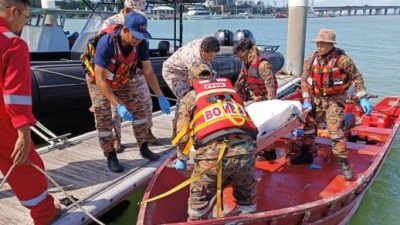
(200, 13)
(162, 13)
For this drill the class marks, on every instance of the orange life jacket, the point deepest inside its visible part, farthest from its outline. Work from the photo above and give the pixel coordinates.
(254, 80)
(328, 79)
(218, 111)
(120, 67)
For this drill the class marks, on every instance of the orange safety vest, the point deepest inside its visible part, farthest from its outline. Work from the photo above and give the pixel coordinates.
(218, 111)
(328, 79)
(120, 67)
(254, 80)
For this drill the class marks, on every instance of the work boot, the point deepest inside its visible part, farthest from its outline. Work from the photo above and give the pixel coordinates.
(147, 153)
(152, 139)
(113, 163)
(304, 157)
(345, 168)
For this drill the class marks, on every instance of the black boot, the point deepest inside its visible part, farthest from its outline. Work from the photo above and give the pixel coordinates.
(267, 155)
(303, 157)
(113, 163)
(147, 153)
(345, 168)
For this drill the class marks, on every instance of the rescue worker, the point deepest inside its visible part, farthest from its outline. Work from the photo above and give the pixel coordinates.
(256, 81)
(117, 52)
(16, 147)
(142, 93)
(222, 132)
(176, 68)
(328, 73)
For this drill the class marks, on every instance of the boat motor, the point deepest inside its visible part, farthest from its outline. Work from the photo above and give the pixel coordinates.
(242, 34)
(224, 37)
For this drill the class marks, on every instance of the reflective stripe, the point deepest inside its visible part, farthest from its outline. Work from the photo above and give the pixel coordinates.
(9, 34)
(103, 134)
(17, 100)
(214, 91)
(139, 122)
(35, 201)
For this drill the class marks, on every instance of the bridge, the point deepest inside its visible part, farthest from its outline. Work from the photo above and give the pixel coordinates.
(357, 10)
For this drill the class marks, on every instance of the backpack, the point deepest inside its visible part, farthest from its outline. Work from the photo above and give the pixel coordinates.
(90, 52)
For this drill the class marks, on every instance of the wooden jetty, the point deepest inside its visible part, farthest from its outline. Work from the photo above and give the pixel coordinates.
(81, 169)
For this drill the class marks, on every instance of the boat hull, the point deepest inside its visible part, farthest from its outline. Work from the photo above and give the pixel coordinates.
(291, 194)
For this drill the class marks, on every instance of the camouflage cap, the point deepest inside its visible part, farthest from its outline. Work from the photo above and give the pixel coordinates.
(135, 4)
(201, 71)
(326, 35)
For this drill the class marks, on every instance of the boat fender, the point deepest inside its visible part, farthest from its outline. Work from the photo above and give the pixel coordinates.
(242, 34)
(224, 37)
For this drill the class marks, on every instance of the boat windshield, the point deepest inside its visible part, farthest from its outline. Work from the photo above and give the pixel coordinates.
(90, 29)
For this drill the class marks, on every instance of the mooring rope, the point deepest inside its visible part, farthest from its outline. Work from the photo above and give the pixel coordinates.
(57, 185)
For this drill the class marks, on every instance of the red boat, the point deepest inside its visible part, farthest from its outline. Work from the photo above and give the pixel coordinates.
(292, 194)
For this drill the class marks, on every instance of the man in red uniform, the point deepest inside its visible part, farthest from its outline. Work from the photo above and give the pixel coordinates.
(28, 184)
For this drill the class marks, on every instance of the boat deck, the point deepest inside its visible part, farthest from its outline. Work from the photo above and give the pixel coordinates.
(280, 186)
(81, 170)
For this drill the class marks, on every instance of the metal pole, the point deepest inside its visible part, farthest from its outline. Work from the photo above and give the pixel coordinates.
(297, 24)
(175, 8)
(181, 25)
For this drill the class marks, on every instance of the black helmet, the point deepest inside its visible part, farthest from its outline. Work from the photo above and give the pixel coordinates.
(242, 34)
(224, 37)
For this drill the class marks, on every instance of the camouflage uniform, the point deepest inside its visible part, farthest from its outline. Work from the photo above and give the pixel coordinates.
(140, 87)
(266, 72)
(238, 166)
(329, 109)
(176, 68)
(103, 117)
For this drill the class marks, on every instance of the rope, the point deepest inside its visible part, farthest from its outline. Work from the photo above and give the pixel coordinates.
(171, 99)
(82, 79)
(57, 185)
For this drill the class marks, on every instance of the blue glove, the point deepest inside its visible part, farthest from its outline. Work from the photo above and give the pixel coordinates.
(124, 113)
(307, 104)
(164, 104)
(180, 164)
(315, 166)
(366, 106)
(298, 133)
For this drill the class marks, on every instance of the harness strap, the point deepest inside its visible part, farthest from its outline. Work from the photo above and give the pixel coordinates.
(194, 178)
(219, 177)
(179, 136)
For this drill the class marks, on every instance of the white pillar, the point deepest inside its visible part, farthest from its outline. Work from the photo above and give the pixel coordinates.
(49, 4)
(297, 24)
